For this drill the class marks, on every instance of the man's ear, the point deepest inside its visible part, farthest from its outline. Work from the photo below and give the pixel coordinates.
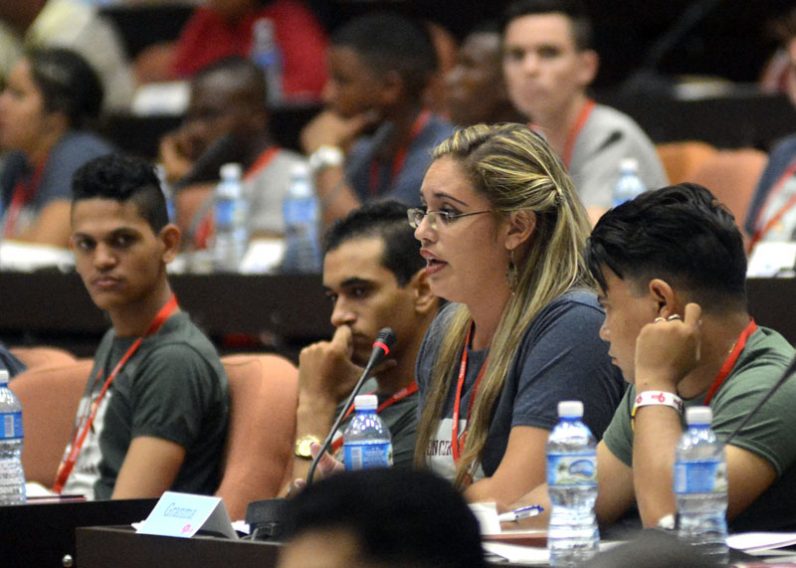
(425, 301)
(589, 63)
(666, 298)
(521, 226)
(171, 237)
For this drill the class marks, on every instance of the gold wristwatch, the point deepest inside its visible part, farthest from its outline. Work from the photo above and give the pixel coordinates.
(302, 447)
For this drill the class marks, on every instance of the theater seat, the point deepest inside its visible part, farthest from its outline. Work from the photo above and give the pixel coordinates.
(49, 396)
(42, 356)
(263, 398)
(682, 159)
(732, 176)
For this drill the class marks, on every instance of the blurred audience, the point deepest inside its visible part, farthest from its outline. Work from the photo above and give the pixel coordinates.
(772, 213)
(380, 66)
(221, 28)
(476, 91)
(227, 121)
(46, 108)
(549, 63)
(34, 24)
(779, 76)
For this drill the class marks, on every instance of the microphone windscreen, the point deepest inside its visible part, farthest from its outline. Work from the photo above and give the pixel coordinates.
(385, 339)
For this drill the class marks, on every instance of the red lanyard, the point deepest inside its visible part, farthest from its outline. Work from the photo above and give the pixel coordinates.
(81, 432)
(24, 191)
(574, 132)
(396, 397)
(261, 162)
(456, 442)
(400, 156)
(730, 361)
(779, 214)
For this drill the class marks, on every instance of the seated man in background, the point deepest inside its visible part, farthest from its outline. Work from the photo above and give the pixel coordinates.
(71, 24)
(383, 518)
(380, 66)
(549, 63)
(374, 275)
(227, 121)
(154, 413)
(671, 270)
(772, 212)
(475, 88)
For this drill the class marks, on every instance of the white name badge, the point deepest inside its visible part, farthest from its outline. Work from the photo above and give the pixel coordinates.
(183, 515)
(771, 259)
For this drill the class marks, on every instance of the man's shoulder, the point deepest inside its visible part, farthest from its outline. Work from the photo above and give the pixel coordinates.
(182, 340)
(604, 117)
(436, 130)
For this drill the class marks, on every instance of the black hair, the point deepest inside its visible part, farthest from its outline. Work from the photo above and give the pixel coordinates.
(123, 178)
(400, 517)
(68, 84)
(680, 233)
(387, 41)
(574, 10)
(386, 220)
(242, 72)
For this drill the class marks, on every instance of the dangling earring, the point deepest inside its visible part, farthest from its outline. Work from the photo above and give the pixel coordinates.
(512, 274)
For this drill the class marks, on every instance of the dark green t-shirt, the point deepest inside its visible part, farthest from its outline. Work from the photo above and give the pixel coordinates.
(771, 434)
(173, 388)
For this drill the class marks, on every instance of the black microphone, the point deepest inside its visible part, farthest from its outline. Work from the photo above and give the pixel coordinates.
(382, 346)
(788, 373)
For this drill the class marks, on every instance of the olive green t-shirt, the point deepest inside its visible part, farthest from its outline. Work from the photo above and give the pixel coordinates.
(770, 434)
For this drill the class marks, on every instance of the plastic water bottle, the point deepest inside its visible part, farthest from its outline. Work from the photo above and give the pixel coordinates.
(12, 477)
(700, 486)
(301, 215)
(366, 440)
(266, 54)
(572, 536)
(230, 235)
(629, 185)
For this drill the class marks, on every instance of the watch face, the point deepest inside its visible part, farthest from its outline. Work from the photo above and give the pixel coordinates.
(303, 446)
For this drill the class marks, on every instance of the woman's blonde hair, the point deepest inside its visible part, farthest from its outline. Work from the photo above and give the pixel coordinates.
(516, 170)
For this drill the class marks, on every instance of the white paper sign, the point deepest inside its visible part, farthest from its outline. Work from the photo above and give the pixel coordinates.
(769, 260)
(184, 514)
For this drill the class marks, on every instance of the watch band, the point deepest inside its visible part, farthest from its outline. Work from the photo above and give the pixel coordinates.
(657, 398)
(325, 157)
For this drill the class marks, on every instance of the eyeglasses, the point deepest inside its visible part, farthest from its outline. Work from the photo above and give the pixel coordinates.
(416, 215)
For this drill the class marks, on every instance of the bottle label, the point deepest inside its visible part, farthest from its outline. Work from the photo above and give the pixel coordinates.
(225, 210)
(11, 426)
(706, 476)
(366, 456)
(572, 469)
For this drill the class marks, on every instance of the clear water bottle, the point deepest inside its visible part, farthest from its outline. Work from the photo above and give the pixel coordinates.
(572, 536)
(700, 486)
(301, 214)
(366, 440)
(629, 185)
(266, 54)
(12, 477)
(230, 234)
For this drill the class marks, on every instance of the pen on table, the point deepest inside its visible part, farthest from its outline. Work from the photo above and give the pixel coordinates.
(521, 513)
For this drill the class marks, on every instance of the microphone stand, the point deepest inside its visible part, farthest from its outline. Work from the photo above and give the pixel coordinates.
(385, 337)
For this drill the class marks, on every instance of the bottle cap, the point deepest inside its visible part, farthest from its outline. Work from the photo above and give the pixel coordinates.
(628, 165)
(366, 402)
(231, 171)
(698, 415)
(570, 409)
(3, 377)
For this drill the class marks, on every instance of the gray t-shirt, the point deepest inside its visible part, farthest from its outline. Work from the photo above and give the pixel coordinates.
(173, 388)
(606, 139)
(560, 357)
(266, 189)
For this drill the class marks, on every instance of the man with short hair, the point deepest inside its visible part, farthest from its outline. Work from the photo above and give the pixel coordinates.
(548, 64)
(374, 276)
(375, 138)
(671, 270)
(154, 413)
(227, 121)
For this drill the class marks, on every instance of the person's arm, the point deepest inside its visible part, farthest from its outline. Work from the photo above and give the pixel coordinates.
(520, 470)
(52, 225)
(149, 468)
(614, 493)
(326, 377)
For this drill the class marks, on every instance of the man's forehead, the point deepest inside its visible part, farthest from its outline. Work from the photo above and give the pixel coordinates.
(106, 215)
(549, 27)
